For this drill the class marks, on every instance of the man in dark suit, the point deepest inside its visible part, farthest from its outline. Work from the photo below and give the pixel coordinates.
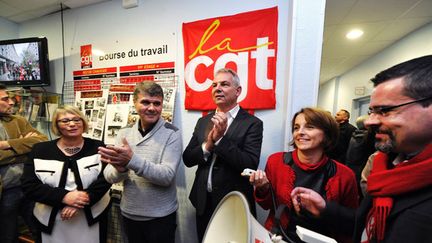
(223, 144)
(345, 132)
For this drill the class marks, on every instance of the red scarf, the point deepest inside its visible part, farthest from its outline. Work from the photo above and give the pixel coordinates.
(290, 174)
(308, 167)
(383, 183)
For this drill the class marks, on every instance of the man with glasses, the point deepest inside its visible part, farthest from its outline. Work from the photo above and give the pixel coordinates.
(398, 206)
(17, 137)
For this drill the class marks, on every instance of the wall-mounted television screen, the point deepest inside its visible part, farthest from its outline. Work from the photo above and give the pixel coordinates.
(24, 62)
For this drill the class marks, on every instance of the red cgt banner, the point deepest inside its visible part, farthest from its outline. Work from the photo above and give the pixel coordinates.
(245, 42)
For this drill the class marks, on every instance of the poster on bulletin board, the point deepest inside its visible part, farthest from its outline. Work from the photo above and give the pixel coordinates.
(116, 66)
(93, 105)
(124, 51)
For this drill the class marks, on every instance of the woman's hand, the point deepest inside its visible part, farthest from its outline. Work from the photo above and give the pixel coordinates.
(68, 213)
(259, 180)
(304, 198)
(77, 199)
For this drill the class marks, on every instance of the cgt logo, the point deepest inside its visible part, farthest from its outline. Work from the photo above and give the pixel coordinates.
(86, 56)
(86, 60)
(246, 43)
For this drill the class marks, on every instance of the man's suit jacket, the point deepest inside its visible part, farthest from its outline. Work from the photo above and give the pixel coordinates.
(239, 149)
(410, 219)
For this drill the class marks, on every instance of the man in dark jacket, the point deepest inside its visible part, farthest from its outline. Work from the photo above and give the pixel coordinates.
(360, 147)
(345, 131)
(223, 144)
(398, 206)
(17, 137)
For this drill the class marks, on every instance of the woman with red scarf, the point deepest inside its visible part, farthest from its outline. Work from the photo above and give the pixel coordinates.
(315, 132)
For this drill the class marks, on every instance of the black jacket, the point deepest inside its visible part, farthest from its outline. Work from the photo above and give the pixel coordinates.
(239, 149)
(410, 219)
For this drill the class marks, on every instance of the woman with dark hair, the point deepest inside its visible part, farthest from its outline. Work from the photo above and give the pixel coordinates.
(314, 132)
(65, 179)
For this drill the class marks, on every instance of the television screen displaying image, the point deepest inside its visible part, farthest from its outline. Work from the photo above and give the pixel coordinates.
(24, 62)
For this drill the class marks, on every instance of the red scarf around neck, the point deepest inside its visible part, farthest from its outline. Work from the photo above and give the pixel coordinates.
(308, 167)
(289, 173)
(383, 183)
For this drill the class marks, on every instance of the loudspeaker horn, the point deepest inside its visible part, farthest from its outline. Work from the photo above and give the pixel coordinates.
(232, 222)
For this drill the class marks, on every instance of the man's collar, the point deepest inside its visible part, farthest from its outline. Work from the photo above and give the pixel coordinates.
(144, 131)
(5, 116)
(233, 112)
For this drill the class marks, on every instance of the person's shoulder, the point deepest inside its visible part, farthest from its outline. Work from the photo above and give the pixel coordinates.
(249, 116)
(276, 157)
(278, 162)
(170, 126)
(93, 142)
(17, 117)
(209, 115)
(45, 145)
(351, 126)
(342, 169)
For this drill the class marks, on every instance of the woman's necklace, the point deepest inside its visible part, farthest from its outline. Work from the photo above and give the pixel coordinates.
(72, 149)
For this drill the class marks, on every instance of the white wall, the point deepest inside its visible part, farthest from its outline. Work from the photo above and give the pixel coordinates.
(415, 44)
(8, 29)
(327, 95)
(299, 34)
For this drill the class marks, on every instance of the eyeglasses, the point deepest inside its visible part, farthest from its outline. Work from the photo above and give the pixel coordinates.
(383, 110)
(67, 121)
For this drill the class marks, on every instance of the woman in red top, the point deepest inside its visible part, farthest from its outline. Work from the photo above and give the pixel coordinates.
(315, 132)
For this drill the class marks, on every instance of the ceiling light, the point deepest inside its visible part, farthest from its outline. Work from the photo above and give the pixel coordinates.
(354, 34)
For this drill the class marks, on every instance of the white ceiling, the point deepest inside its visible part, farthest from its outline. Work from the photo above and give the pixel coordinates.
(383, 22)
(19, 11)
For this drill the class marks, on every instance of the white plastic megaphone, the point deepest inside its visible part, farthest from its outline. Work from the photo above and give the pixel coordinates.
(231, 222)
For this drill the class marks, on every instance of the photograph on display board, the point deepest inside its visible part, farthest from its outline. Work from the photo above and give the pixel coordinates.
(99, 124)
(97, 133)
(116, 117)
(78, 104)
(101, 102)
(113, 131)
(101, 113)
(168, 104)
(133, 116)
(89, 104)
(94, 116)
(93, 105)
(88, 114)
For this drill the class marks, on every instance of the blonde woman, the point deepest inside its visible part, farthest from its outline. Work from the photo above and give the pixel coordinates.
(64, 177)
